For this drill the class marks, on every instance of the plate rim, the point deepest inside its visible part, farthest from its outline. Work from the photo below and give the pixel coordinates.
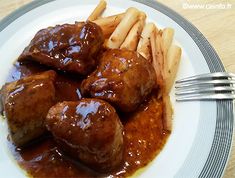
(215, 165)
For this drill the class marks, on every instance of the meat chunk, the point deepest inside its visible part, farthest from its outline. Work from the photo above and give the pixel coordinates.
(68, 47)
(26, 103)
(88, 130)
(123, 78)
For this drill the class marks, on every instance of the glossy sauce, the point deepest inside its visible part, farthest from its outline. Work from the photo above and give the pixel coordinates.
(67, 86)
(122, 78)
(144, 135)
(68, 47)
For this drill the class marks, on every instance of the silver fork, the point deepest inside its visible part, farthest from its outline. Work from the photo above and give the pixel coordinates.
(212, 86)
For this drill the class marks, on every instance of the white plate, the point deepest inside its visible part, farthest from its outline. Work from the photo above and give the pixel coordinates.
(202, 133)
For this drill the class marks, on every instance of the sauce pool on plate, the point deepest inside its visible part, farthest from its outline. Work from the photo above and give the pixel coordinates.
(144, 134)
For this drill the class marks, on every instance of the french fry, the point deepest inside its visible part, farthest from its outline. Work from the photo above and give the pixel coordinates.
(160, 56)
(160, 59)
(105, 42)
(98, 10)
(120, 33)
(167, 113)
(142, 16)
(173, 57)
(132, 38)
(109, 24)
(143, 47)
(156, 61)
(167, 38)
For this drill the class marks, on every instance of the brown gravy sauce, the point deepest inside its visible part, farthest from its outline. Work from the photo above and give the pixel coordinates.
(144, 135)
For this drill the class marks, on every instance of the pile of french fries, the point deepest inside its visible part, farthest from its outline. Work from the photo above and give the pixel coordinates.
(129, 30)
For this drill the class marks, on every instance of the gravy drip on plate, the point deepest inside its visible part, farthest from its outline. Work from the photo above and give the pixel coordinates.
(144, 135)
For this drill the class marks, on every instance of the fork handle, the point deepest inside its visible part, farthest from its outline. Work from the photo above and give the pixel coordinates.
(217, 96)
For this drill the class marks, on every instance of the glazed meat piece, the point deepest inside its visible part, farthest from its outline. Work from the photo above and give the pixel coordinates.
(88, 130)
(26, 103)
(68, 47)
(123, 78)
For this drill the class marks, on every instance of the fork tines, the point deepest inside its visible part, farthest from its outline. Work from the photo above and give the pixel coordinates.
(219, 85)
